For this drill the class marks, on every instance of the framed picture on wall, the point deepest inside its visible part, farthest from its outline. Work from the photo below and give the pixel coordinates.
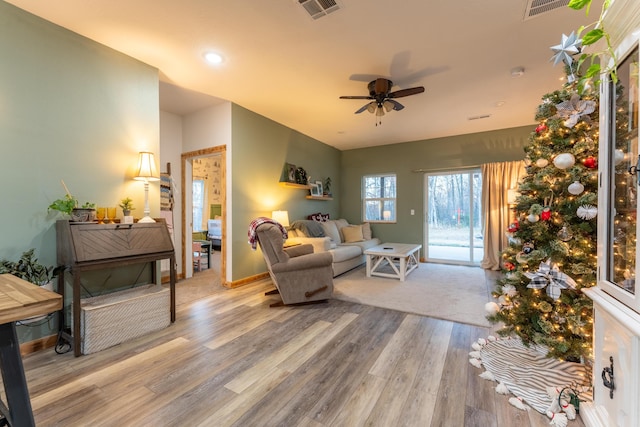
(291, 173)
(315, 191)
(319, 184)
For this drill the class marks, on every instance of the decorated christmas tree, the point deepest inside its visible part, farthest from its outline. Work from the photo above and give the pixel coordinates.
(552, 239)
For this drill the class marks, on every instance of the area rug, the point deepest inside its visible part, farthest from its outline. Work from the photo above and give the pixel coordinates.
(455, 293)
(534, 379)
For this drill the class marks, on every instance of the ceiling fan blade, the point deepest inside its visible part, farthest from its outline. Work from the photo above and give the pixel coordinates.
(356, 97)
(406, 92)
(364, 107)
(396, 105)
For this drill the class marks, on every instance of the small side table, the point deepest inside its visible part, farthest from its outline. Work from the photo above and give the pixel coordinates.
(19, 299)
(208, 247)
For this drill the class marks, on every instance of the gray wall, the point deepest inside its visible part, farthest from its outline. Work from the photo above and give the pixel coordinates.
(70, 109)
(431, 155)
(261, 147)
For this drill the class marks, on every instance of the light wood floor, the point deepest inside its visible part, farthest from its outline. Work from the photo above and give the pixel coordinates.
(231, 360)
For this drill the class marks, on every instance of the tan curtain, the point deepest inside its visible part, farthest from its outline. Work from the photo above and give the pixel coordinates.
(497, 179)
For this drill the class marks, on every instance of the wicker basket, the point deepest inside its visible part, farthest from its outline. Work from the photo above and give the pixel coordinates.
(111, 319)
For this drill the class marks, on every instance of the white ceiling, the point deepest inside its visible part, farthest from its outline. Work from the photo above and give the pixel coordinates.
(284, 65)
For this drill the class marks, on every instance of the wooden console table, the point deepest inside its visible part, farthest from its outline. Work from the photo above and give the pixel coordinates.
(91, 246)
(19, 300)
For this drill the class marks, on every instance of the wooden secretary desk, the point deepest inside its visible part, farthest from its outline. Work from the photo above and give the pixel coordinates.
(90, 246)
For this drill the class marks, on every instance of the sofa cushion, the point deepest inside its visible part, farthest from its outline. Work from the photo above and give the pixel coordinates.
(366, 231)
(352, 233)
(365, 244)
(309, 228)
(340, 223)
(331, 231)
(343, 253)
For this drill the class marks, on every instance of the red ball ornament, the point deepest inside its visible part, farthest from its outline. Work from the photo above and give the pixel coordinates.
(590, 162)
(541, 128)
(545, 215)
(513, 227)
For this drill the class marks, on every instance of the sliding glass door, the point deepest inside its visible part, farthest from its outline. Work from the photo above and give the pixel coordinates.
(454, 221)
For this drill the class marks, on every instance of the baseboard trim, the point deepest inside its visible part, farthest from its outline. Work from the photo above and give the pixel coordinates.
(37, 345)
(246, 280)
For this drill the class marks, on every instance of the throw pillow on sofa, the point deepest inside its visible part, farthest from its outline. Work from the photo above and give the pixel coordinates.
(366, 231)
(331, 231)
(352, 233)
(320, 217)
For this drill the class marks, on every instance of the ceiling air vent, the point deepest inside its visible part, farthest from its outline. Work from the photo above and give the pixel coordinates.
(538, 7)
(319, 8)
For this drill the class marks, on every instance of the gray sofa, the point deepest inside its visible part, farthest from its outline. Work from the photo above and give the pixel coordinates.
(345, 242)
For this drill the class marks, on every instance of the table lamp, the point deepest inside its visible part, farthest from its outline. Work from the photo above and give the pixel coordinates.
(282, 217)
(146, 172)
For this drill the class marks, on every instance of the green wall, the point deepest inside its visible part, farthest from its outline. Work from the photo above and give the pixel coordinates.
(260, 148)
(70, 109)
(430, 155)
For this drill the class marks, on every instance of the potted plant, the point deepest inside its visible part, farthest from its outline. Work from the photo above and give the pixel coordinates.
(69, 206)
(127, 206)
(327, 186)
(28, 268)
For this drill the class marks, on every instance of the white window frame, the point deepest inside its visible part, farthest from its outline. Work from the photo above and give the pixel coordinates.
(381, 200)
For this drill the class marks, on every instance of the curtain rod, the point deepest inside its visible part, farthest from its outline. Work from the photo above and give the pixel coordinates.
(450, 169)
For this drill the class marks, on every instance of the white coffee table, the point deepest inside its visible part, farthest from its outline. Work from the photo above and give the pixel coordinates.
(400, 257)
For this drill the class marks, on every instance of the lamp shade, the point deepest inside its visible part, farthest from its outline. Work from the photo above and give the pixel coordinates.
(146, 167)
(281, 216)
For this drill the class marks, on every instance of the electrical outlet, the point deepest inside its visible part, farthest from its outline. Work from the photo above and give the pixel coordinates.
(413, 211)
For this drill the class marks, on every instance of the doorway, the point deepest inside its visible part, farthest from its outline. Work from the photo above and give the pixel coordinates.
(454, 219)
(204, 170)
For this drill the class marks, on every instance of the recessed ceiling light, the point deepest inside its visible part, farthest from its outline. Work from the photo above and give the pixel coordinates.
(213, 58)
(499, 103)
(517, 72)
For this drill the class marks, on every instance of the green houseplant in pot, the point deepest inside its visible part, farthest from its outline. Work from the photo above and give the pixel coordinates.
(327, 186)
(127, 206)
(29, 269)
(69, 206)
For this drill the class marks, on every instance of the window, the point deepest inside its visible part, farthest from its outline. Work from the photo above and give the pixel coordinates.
(379, 198)
(454, 217)
(198, 204)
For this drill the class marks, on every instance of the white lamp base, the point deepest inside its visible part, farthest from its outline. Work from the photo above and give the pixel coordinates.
(146, 219)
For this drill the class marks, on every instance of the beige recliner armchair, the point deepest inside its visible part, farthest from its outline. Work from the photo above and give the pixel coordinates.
(299, 275)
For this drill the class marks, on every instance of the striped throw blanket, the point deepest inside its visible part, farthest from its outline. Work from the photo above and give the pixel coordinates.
(253, 237)
(527, 372)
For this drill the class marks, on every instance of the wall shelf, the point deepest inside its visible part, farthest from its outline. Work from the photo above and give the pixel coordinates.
(319, 198)
(294, 185)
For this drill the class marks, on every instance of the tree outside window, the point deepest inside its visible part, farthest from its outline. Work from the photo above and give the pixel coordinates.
(379, 198)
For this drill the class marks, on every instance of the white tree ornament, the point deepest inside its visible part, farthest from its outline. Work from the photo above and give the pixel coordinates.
(575, 108)
(542, 163)
(564, 161)
(575, 188)
(587, 212)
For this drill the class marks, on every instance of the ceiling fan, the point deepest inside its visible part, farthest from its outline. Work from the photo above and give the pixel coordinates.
(382, 99)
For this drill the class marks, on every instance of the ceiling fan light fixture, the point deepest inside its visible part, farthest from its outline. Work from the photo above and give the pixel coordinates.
(380, 111)
(371, 107)
(388, 106)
